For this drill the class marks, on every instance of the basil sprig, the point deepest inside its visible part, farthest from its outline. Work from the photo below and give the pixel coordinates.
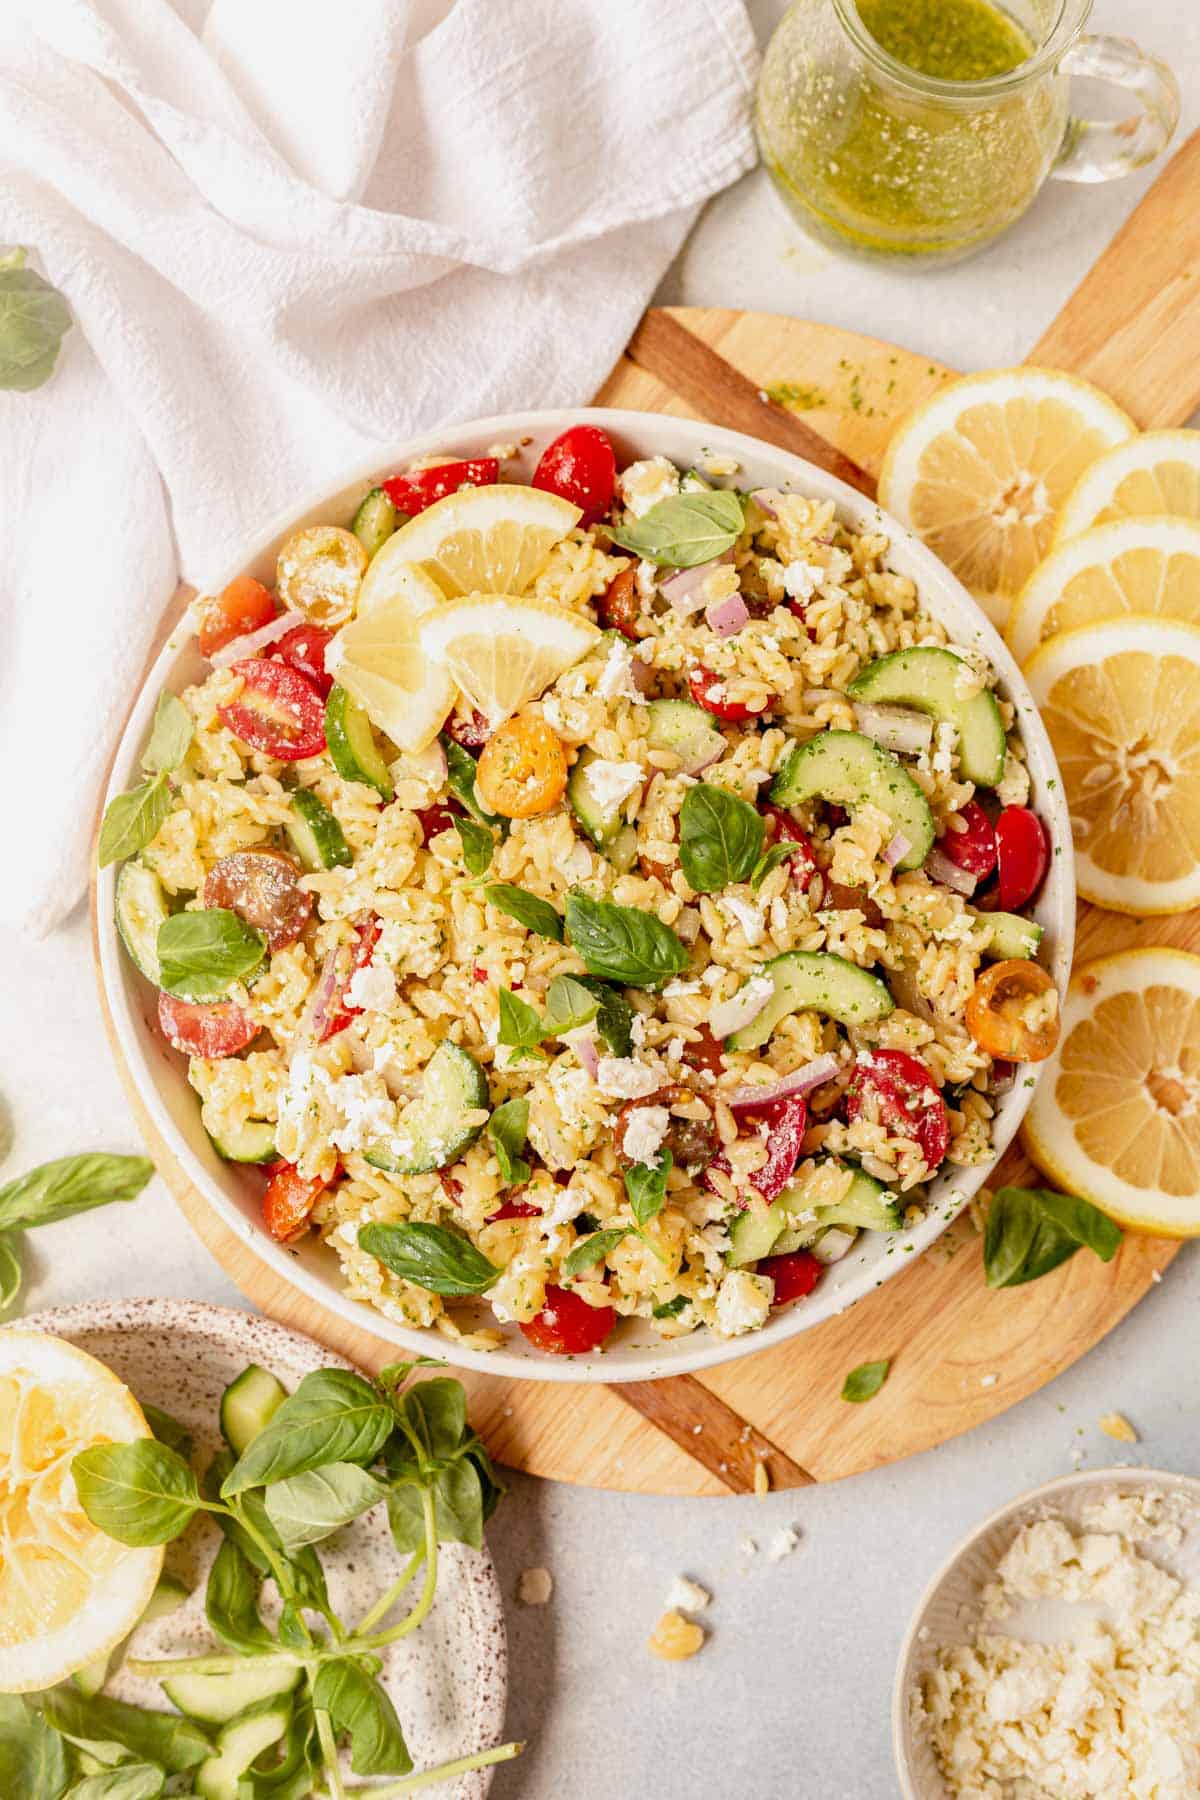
(1032, 1230)
(359, 1707)
(771, 858)
(686, 529)
(527, 909)
(430, 1256)
(60, 1190)
(170, 736)
(619, 943)
(334, 1416)
(865, 1382)
(720, 838)
(132, 819)
(201, 954)
(614, 1021)
(507, 1129)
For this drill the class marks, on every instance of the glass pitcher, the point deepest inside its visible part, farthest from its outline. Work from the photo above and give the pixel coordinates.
(891, 160)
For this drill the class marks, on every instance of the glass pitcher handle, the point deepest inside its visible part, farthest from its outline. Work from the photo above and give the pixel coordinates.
(1099, 150)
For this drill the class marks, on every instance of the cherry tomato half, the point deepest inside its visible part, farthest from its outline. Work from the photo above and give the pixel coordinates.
(1008, 1014)
(567, 1325)
(708, 691)
(289, 1200)
(262, 887)
(303, 649)
(245, 605)
(212, 1028)
(783, 829)
(620, 605)
(690, 1141)
(435, 819)
(1024, 850)
(522, 769)
(704, 1053)
(514, 1209)
(907, 1100)
(795, 1275)
(973, 848)
(338, 1010)
(781, 1127)
(419, 488)
(471, 730)
(580, 466)
(277, 711)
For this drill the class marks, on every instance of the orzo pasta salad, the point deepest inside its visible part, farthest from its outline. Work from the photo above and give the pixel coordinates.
(595, 898)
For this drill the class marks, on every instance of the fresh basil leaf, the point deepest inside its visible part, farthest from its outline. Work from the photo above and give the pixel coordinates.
(520, 1027)
(461, 769)
(507, 1128)
(430, 1256)
(10, 1268)
(492, 1490)
(334, 1416)
(132, 819)
(458, 1505)
(200, 954)
(140, 1493)
(308, 1507)
(464, 1494)
(592, 1250)
(406, 1517)
(646, 1186)
(614, 1021)
(670, 1309)
(303, 1575)
(33, 1758)
(685, 529)
(167, 1430)
(231, 1602)
(34, 319)
(865, 1382)
(437, 1411)
(132, 1781)
(771, 858)
(720, 838)
(621, 944)
(536, 915)
(170, 736)
(174, 1743)
(1031, 1231)
(359, 1706)
(70, 1185)
(569, 1006)
(478, 844)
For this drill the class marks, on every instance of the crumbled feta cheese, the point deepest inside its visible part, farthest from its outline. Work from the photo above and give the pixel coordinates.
(611, 783)
(750, 918)
(643, 484)
(503, 452)
(637, 1030)
(1013, 787)
(717, 463)
(743, 1302)
(372, 988)
(802, 579)
(945, 739)
(748, 1547)
(645, 1132)
(615, 681)
(625, 1078)
(687, 1596)
(782, 1544)
(568, 1203)
(678, 990)
(646, 576)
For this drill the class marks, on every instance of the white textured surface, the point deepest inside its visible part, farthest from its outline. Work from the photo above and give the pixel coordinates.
(789, 1700)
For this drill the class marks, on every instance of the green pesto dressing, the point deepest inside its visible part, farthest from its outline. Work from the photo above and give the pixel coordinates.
(955, 40)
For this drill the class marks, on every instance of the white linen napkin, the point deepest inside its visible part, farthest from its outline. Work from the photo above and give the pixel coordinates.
(290, 231)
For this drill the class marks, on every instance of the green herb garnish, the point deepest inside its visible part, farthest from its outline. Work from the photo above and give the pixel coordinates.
(201, 954)
(34, 319)
(1032, 1230)
(720, 838)
(686, 529)
(621, 944)
(865, 1382)
(430, 1256)
(536, 915)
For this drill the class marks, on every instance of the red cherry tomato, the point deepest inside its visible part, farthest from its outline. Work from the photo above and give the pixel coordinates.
(782, 1127)
(783, 829)
(580, 466)
(277, 711)
(419, 488)
(907, 1100)
(303, 649)
(263, 887)
(339, 1011)
(1024, 852)
(567, 1325)
(437, 818)
(289, 1200)
(212, 1029)
(704, 1053)
(245, 605)
(974, 848)
(472, 733)
(514, 1209)
(708, 691)
(795, 1275)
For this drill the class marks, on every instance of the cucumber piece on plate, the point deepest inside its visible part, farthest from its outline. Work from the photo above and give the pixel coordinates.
(375, 521)
(686, 730)
(251, 1142)
(853, 770)
(866, 1206)
(432, 1131)
(315, 834)
(141, 908)
(216, 1699)
(931, 680)
(1011, 936)
(168, 1596)
(239, 1747)
(352, 747)
(603, 823)
(815, 981)
(248, 1404)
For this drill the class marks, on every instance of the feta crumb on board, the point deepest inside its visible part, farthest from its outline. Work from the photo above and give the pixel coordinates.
(782, 1544)
(687, 1596)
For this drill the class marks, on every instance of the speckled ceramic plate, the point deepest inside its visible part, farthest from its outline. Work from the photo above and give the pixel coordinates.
(449, 1681)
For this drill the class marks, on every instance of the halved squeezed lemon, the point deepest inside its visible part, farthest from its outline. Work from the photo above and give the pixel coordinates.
(487, 540)
(1155, 472)
(68, 1593)
(1148, 567)
(502, 651)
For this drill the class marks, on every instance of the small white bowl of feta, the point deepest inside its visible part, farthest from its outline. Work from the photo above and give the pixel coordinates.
(1057, 1650)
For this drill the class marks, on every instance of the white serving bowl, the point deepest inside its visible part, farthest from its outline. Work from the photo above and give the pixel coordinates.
(635, 1353)
(949, 1607)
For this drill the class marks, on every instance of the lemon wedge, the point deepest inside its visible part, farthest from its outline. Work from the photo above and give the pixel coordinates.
(68, 1593)
(486, 540)
(1144, 566)
(1155, 472)
(1116, 1115)
(1121, 701)
(502, 651)
(377, 657)
(981, 469)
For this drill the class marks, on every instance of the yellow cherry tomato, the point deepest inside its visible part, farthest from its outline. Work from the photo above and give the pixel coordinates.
(1013, 1012)
(522, 769)
(319, 573)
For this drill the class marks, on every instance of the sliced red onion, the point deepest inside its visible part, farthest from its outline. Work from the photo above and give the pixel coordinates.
(1004, 1076)
(801, 1081)
(940, 868)
(584, 1043)
(316, 1013)
(733, 1015)
(681, 589)
(726, 617)
(767, 501)
(895, 727)
(254, 641)
(833, 1244)
(897, 848)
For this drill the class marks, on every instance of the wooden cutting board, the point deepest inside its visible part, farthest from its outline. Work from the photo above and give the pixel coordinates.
(961, 1354)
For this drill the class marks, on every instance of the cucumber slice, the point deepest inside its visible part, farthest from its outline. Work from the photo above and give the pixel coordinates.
(315, 834)
(852, 770)
(1011, 936)
(623, 851)
(352, 745)
(602, 823)
(929, 679)
(253, 1142)
(216, 1699)
(430, 1132)
(168, 1596)
(238, 1747)
(248, 1404)
(815, 981)
(687, 730)
(756, 1232)
(141, 908)
(375, 521)
(866, 1206)
(795, 1240)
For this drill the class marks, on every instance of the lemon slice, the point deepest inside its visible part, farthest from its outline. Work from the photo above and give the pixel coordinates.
(503, 651)
(982, 468)
(1121, 701)
(68, 1593)
(1155, 472)
(486, 540)
(1143, 566)
(377, 657)
(1116, 1115)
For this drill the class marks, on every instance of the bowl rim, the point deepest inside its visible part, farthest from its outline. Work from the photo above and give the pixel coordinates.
(940, 591)
(1130, 1475)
